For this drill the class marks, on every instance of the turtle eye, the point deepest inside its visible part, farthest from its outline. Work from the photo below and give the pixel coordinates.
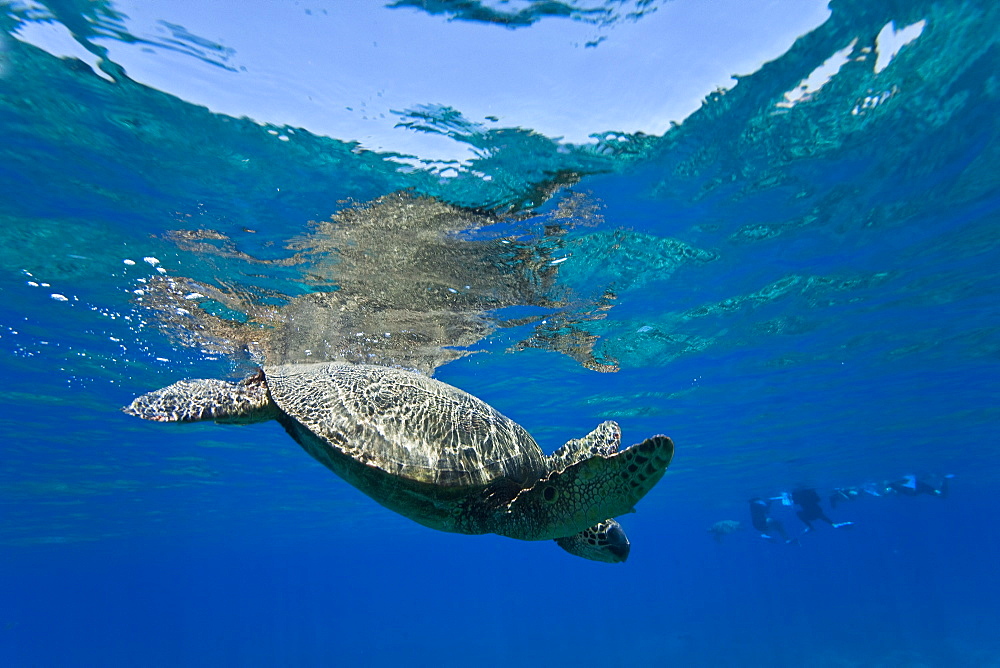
(550, 494)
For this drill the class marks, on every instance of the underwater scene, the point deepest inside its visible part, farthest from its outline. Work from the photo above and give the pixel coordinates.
(499, 333)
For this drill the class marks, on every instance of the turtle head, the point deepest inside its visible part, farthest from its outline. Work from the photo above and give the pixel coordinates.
(605, 541)
(569, 500)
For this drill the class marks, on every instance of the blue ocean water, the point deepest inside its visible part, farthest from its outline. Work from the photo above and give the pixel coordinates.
(801, 290)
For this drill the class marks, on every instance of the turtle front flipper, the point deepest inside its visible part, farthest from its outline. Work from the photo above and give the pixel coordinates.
(570, 500)
(207, 399)
(605, 541)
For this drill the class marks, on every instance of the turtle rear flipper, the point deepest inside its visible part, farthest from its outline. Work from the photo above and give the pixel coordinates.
(207, 399)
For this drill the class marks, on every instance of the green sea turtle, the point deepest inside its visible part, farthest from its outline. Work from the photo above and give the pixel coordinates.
(724, 528)
(434, 453)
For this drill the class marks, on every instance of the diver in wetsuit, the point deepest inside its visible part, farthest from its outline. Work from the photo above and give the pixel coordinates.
(808, 500)
(842, 494)
(912, 486)
(762, 521)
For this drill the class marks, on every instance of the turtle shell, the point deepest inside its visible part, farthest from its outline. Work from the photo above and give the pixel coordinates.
(406, 424)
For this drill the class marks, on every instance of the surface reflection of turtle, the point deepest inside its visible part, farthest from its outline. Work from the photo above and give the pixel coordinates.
(436, 454)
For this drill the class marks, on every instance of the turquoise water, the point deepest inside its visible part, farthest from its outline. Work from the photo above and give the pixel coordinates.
(800, 291)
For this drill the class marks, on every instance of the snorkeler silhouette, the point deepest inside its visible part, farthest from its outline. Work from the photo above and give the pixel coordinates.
(760, 518)
(808, 500)
(842, 494)
(911, 485)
